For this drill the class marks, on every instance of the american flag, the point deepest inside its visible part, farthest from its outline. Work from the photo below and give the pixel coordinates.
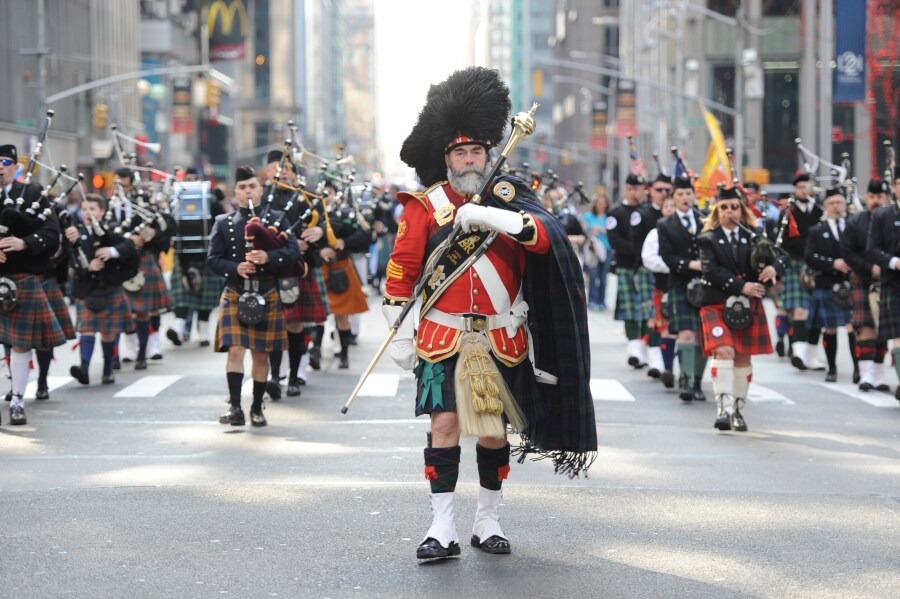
(637, 163)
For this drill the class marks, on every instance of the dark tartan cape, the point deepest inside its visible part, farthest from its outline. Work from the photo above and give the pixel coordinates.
(561, 426)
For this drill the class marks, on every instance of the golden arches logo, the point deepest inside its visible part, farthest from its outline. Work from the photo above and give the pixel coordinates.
(228, 11)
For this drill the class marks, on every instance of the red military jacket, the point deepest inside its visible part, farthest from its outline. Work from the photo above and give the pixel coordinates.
(491, 287)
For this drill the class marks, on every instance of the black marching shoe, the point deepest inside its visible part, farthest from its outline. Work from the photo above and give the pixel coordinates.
(883, 387)
(431, 548)
(42, 392)
(256, 417)
(831, 376)
(344, 362)
(797, 363)
(234, 417)
(116, 365)
(635, 362)
(156, 357)
(172, 336)
(315, 358)
(108, 378)
(273, 388)
(204, 343)
(855, 375)
(779, 348)
(698, 395)
(737, 422)
(668, 379)
(80, 374)
(8, 397)
(723, 418)
(866, 386)
(897, 393)
(654, 373)
(17, 415)
(293, 389)
(140, 364)
(495, 544)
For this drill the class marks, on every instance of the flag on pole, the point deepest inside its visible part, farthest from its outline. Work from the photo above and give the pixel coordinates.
(716, 167)
(637, 164)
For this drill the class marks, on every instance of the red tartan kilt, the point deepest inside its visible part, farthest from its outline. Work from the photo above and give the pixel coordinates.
(58, 305)
(308, 309)
(862, 310)
(116, 318)
(154, 296)
(750, 341)
(658, 322)
(31, 323)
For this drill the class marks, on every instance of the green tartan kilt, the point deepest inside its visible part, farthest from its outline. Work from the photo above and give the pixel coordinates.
(684, 317)
(793, 294)
(634, 295)
(116, 318)
(154, 296)
(31, 323)
(210, 290)
(58, 305)
(889, 313)
(268, 335)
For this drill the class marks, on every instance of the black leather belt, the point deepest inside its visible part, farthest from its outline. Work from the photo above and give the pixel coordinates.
(265, 285)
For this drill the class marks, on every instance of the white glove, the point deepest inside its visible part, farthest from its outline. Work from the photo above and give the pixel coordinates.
(403, 346)
(497, 219)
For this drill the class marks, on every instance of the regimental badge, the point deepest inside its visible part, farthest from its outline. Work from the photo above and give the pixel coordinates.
(611, 222)
(401, 228)
(444, 214)
(394, 270)
(468, 244)
(717, 331)
(635, 218)
(505, 191)
(437, 277)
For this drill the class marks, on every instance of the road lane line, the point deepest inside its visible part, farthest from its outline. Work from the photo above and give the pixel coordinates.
(53, 382)
(148, 386)
(760, 394)
(609, 390)
(873, 398)
(380, 385)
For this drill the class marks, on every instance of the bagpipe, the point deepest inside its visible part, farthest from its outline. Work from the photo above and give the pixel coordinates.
(17, 219)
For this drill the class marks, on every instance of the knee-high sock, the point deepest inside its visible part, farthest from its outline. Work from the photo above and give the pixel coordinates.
(687, 361)
(345, 341)
(235, 381)
(880, 350)
(442, 468)
(723, 376)
(667, 346)
(653, 339)
(18, 369)
(814, 335)
(154, 323)
(801, 333)
(318, 333)
(275, 362)
(86, 347)
(44, 357)
(259, 388)
(700, 366)
(493, 466)
(851, 340)
(829, 342)
(742, 377)
(107, 347)
(296, 350)
(143, 333)
(782, 325)
(633, 329)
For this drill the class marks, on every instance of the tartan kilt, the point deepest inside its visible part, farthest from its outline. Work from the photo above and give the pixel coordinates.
(634, 294)
(751, 341)
(823, 313)
(685, 317)
(267, 336)
(308, 309)
(658, 322)
(116, 318)
(351, 301)
(210, 290)
(889, 313)
(861, 316)
(154, 296)
(793, 294)
(31, 324)
(58, 305)
(519, 378)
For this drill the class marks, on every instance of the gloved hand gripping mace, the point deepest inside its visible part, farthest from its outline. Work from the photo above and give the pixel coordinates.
(523, 125)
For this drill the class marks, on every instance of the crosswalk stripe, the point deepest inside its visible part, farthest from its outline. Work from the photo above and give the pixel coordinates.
(53, 382)
(760, 394)
(380, 385)
(873, 398)
(148, 386)
(609, 390)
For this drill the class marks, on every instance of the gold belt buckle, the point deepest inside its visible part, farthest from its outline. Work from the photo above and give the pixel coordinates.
(478, 325)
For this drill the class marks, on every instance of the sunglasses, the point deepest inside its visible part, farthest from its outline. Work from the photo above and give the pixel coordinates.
(661, 189)
(723, 206)
(7, 161)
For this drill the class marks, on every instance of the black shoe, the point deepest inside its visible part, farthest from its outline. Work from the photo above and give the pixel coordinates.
(635, 362)
(723, 421)
(127, 360)
(273, 388)
(697, 395)
(737, 422)
(797, 363)
(884, 388)
(831, 377)
(855, 375)
(897, 393)
(234, 417)
(116, 365)
(257, 418)
(353, 340)
(301, 381)
(172, 336)
(80, 375)
(315, 358)
(204, 343)
(8, 397)
(432, 548)
(140, 364)
(668, 379)
(156, 357)
(17, 415)
(344, 363)
(654, 373)
(866, 386)
(779, 348)
(42, 391)
(108, 378)
(495, 544)
(293, 389)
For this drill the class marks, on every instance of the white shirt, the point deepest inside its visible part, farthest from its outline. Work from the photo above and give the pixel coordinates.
(650, 254)
(836, 226)
(690, 217)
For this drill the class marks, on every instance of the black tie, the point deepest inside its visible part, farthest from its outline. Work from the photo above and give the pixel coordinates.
(734, 243)
(688, 225)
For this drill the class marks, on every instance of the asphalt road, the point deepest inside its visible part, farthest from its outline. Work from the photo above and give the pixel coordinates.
(134, 490)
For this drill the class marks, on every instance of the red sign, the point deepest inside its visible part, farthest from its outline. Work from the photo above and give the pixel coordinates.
(599, 123)
(626, 109)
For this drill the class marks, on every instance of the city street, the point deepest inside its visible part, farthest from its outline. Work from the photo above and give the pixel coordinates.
(135, 490)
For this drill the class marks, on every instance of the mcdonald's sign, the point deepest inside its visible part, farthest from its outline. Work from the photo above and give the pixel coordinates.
(227, 24)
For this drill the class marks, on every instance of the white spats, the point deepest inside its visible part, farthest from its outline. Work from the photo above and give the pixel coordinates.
(443, 528)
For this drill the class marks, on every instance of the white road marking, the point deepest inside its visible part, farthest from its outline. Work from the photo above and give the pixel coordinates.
(148, 386)
(873, 398)
(380, 385)
(609, 390)
(53, 382)
(760, 394)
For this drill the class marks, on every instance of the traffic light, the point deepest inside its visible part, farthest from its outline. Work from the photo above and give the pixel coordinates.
(102, 181)
(100, 115)
(213, 92)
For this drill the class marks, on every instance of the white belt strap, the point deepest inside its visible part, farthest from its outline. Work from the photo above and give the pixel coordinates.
(438, 198)
(493, 284)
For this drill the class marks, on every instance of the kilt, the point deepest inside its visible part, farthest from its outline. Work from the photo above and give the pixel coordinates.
(210, 291)
(154, 296)
(634, 295)
(861, 316)
(793, 294)
(751, 341)
(824, 313)
(889, 313)
(685, 317)
(351, 301)
(267, 336)
(309, 309)
(116, 318)
(658, 322)
(519, 378)
(31, 324)
(58, 305)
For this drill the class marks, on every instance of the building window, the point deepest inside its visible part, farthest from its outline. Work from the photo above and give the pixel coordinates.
(723, 93)
(781, 124)
(261, 68)
(725, 7)
(780, 8)
(261, 135)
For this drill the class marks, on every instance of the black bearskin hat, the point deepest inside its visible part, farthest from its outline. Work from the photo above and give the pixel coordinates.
(471, 106)
(728, 193)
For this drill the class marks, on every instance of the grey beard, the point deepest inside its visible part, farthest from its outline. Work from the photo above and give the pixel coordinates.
(469, 183)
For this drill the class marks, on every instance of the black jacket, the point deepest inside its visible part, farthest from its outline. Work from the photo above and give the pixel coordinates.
(796, 246)
(115, 272)
(41, 243)
(723, 273)
(853, 245)
(624, 234)
(678, 247)
(822, 249)
(346, 226)
(884, 242)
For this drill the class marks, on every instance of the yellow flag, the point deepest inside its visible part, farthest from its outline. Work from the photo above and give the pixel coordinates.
(716, 168)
